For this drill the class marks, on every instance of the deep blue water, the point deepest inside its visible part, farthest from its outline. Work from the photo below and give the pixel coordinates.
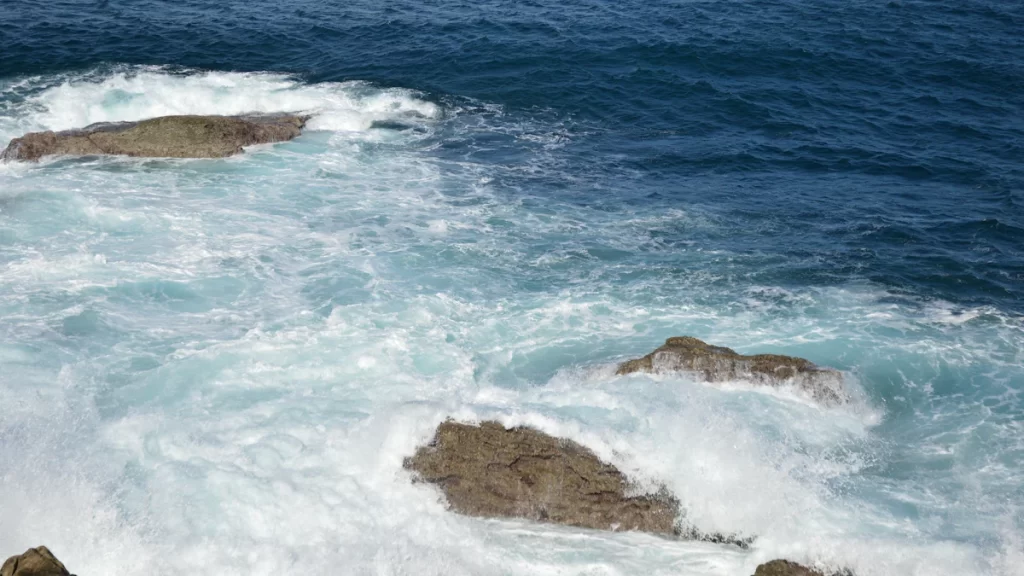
(495, 203)
(856, 140)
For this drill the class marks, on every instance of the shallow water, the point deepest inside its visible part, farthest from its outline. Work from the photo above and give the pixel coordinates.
(219, 365)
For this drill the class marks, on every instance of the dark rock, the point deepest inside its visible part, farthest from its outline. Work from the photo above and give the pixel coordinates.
(34, 562)
(784, 568)
(720, 364)
(787, 568)
(491, 471)
(164, 137)
(692, 533)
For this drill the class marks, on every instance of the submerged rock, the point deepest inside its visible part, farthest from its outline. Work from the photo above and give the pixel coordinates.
(720, 364)
(34, 562)
(164, 137)
(492, 471)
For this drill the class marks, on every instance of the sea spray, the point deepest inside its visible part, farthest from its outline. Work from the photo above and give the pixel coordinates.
(219, 366)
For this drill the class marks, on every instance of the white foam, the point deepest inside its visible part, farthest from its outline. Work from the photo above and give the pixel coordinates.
(137, 93)
(284, 328)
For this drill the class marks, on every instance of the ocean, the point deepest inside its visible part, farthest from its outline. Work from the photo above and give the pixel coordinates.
(218, 366)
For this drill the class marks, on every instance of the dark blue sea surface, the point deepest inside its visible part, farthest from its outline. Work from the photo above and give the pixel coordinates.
(495, 202)
(856, 140)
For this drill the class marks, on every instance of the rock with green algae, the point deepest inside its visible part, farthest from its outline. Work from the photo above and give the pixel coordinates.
(34, 562)
(720, 364)
(163, 137)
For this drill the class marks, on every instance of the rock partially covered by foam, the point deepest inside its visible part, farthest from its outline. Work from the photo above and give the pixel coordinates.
(719, 364)
(163, 137)
(787, 568)
(34, 562)
(493, 471)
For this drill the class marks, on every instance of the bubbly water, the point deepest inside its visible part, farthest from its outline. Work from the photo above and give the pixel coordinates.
(218, 366)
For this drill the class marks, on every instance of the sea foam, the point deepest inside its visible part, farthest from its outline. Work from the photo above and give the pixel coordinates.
(218, 366)
(137, 93)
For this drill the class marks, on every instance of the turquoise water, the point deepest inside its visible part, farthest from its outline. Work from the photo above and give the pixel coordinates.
(217, 366)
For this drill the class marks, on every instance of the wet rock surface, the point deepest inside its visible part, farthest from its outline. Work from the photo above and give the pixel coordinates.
(163, 137)
(784, 568)
(787, 568)
(492, 471)
(34, 562)
(720, 364)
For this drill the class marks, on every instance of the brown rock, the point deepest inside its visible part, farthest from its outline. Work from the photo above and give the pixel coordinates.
(787, 568)
(784, 568)
(34, 562)
(166, 137)
(491, 471)
(720, 364)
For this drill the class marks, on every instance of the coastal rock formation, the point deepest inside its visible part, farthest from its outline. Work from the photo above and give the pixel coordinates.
(787, 568)
(491, 471)
(720, 364)
(34, 562)
(163, 137)
(784, 568)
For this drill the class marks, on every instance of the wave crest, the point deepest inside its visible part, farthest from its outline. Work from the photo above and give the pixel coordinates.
(135, 93)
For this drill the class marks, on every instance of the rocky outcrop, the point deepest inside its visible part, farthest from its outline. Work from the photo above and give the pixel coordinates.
(34, 562)
(719, 364)
(784, 568)
(492, 471)
(164, 137)
(787, 568)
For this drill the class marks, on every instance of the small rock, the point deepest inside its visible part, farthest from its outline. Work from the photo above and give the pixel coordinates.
(787, 568)
(720, 364)
(34, 562)
(163, 137)
(492, 471)
(784, 568)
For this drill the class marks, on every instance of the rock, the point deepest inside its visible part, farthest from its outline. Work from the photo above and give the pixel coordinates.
(720, 364)
(784, 568)
(692, 533)
(491, 471)
(34, 562)
(787, 568)
(165, 137)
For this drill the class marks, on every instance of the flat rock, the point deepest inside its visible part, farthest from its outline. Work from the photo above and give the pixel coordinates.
(493, 471)
(163, 137)
(34, 562)
(719, 364)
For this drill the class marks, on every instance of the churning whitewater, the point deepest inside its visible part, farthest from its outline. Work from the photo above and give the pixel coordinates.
(218, 366)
